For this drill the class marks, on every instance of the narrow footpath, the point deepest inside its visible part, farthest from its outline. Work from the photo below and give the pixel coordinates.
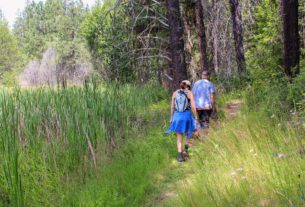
(178, 173)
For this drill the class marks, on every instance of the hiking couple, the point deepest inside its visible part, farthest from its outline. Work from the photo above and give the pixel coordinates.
(190, 110)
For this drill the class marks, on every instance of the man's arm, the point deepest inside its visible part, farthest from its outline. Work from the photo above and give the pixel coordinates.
(212, 100)
(212, 96)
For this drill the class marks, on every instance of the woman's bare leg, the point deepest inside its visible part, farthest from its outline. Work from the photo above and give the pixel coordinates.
(179, 142)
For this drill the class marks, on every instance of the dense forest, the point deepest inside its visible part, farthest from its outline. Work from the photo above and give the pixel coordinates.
(151, 41)
(85, 93)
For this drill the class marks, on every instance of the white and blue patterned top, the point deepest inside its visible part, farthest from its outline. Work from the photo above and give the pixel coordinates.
(202, 90)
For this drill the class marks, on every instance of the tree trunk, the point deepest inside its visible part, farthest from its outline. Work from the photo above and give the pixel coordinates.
(188, 19)
(291, 37)
(238, 35)
(176, 42)
(202, 37)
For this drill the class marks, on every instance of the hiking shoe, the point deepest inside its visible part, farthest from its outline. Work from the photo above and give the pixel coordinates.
(186, 151)
(180, 157)
(186, 148)
(185, 155)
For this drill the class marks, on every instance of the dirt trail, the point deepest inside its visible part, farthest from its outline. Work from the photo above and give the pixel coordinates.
(233, 108)
(178, 172)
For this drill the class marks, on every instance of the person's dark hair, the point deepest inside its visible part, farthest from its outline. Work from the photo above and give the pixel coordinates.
(182, 85)
(205, 73)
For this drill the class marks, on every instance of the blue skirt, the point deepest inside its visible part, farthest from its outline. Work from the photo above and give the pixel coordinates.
(183, 122)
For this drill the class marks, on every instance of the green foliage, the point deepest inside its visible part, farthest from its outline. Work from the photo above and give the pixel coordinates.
(296, 94)
(265, 48)
(107, 34)
(56, 24)
(270, 89)
(8, 49)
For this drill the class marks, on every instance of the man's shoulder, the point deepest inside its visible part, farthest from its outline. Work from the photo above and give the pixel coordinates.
(209, 82)
(198, 82)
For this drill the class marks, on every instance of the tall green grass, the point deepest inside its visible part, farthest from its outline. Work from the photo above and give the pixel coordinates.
(131, 177)
(49, 136)
(253, 160)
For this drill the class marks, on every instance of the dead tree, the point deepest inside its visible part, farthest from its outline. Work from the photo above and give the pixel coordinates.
(291, 37)
(202, 37)
(238, 34)
(177, 56)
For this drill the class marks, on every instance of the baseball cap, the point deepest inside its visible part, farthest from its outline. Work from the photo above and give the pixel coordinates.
(186, 82)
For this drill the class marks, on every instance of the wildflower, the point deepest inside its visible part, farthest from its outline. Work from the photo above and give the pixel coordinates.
(240, 169)
(233, 174)
(280, 155)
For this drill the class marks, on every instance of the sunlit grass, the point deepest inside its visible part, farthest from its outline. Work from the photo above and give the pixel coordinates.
(48, 136)
(251, 161)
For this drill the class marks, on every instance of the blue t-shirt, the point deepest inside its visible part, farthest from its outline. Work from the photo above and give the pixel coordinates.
(202, 90)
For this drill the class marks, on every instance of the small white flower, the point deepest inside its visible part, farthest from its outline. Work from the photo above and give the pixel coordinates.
(233, 174)
(280, 155)
(240, 169)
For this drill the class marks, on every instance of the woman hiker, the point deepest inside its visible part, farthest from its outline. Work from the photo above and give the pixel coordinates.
(182, 119)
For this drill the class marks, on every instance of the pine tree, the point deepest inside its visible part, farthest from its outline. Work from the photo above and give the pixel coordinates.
(178, 64)
(236, 16)
(291, 37)
(202, 36)
(8, 47)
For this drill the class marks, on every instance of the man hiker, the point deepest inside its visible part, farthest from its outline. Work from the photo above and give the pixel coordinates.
(203, 91)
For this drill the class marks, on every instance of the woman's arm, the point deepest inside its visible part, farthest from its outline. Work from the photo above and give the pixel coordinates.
(193, 107)
(173, 106)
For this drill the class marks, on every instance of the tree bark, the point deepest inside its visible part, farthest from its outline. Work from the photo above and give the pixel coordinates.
(291, 37)
(178, 64)
(188, 19)
(238, 35)
(202, 37)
